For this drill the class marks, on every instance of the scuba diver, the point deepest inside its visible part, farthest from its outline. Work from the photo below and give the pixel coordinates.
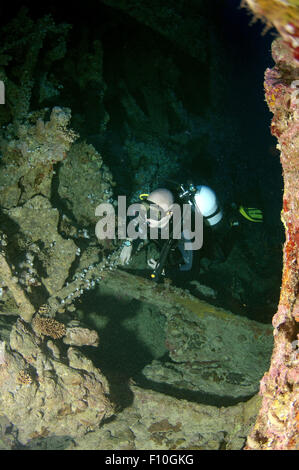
(170, 256)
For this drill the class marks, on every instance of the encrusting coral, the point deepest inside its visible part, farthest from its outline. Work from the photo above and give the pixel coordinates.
(48, 327)
(277, 425)
(80, 190)
(61, 265)
(29, 151)
(24, 378)
(44, 396)
(25, 307)
(283, 15)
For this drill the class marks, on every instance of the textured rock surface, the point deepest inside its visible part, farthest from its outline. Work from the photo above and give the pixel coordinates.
(156, 421)
(45, 396)
(17, 292)
(78, 336)
(211, 351)
(84, 182)
(277, 426)
(38, 221)
(49, 390)
(29, 152)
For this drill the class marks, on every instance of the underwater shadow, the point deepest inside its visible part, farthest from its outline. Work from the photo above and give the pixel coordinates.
(193, 396)
(121, 355)
(46, 443)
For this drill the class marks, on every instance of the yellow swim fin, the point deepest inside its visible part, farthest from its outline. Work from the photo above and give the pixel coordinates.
(251, 213)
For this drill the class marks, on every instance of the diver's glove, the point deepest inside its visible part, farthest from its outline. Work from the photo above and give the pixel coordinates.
(126, 252)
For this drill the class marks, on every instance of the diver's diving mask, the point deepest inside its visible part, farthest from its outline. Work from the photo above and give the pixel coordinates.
(155, 215)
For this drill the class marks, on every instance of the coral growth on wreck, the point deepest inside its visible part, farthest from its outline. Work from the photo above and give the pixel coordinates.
(48, 327)
(283, 15)
(277, 423)
(51, 180)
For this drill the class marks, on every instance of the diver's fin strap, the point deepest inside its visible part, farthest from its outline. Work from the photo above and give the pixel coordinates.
(251, 213)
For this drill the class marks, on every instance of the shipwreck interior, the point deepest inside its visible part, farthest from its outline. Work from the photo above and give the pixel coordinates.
(148, 105)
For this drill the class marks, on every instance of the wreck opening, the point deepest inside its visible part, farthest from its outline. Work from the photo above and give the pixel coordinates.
(180, 113)
(201, 116)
